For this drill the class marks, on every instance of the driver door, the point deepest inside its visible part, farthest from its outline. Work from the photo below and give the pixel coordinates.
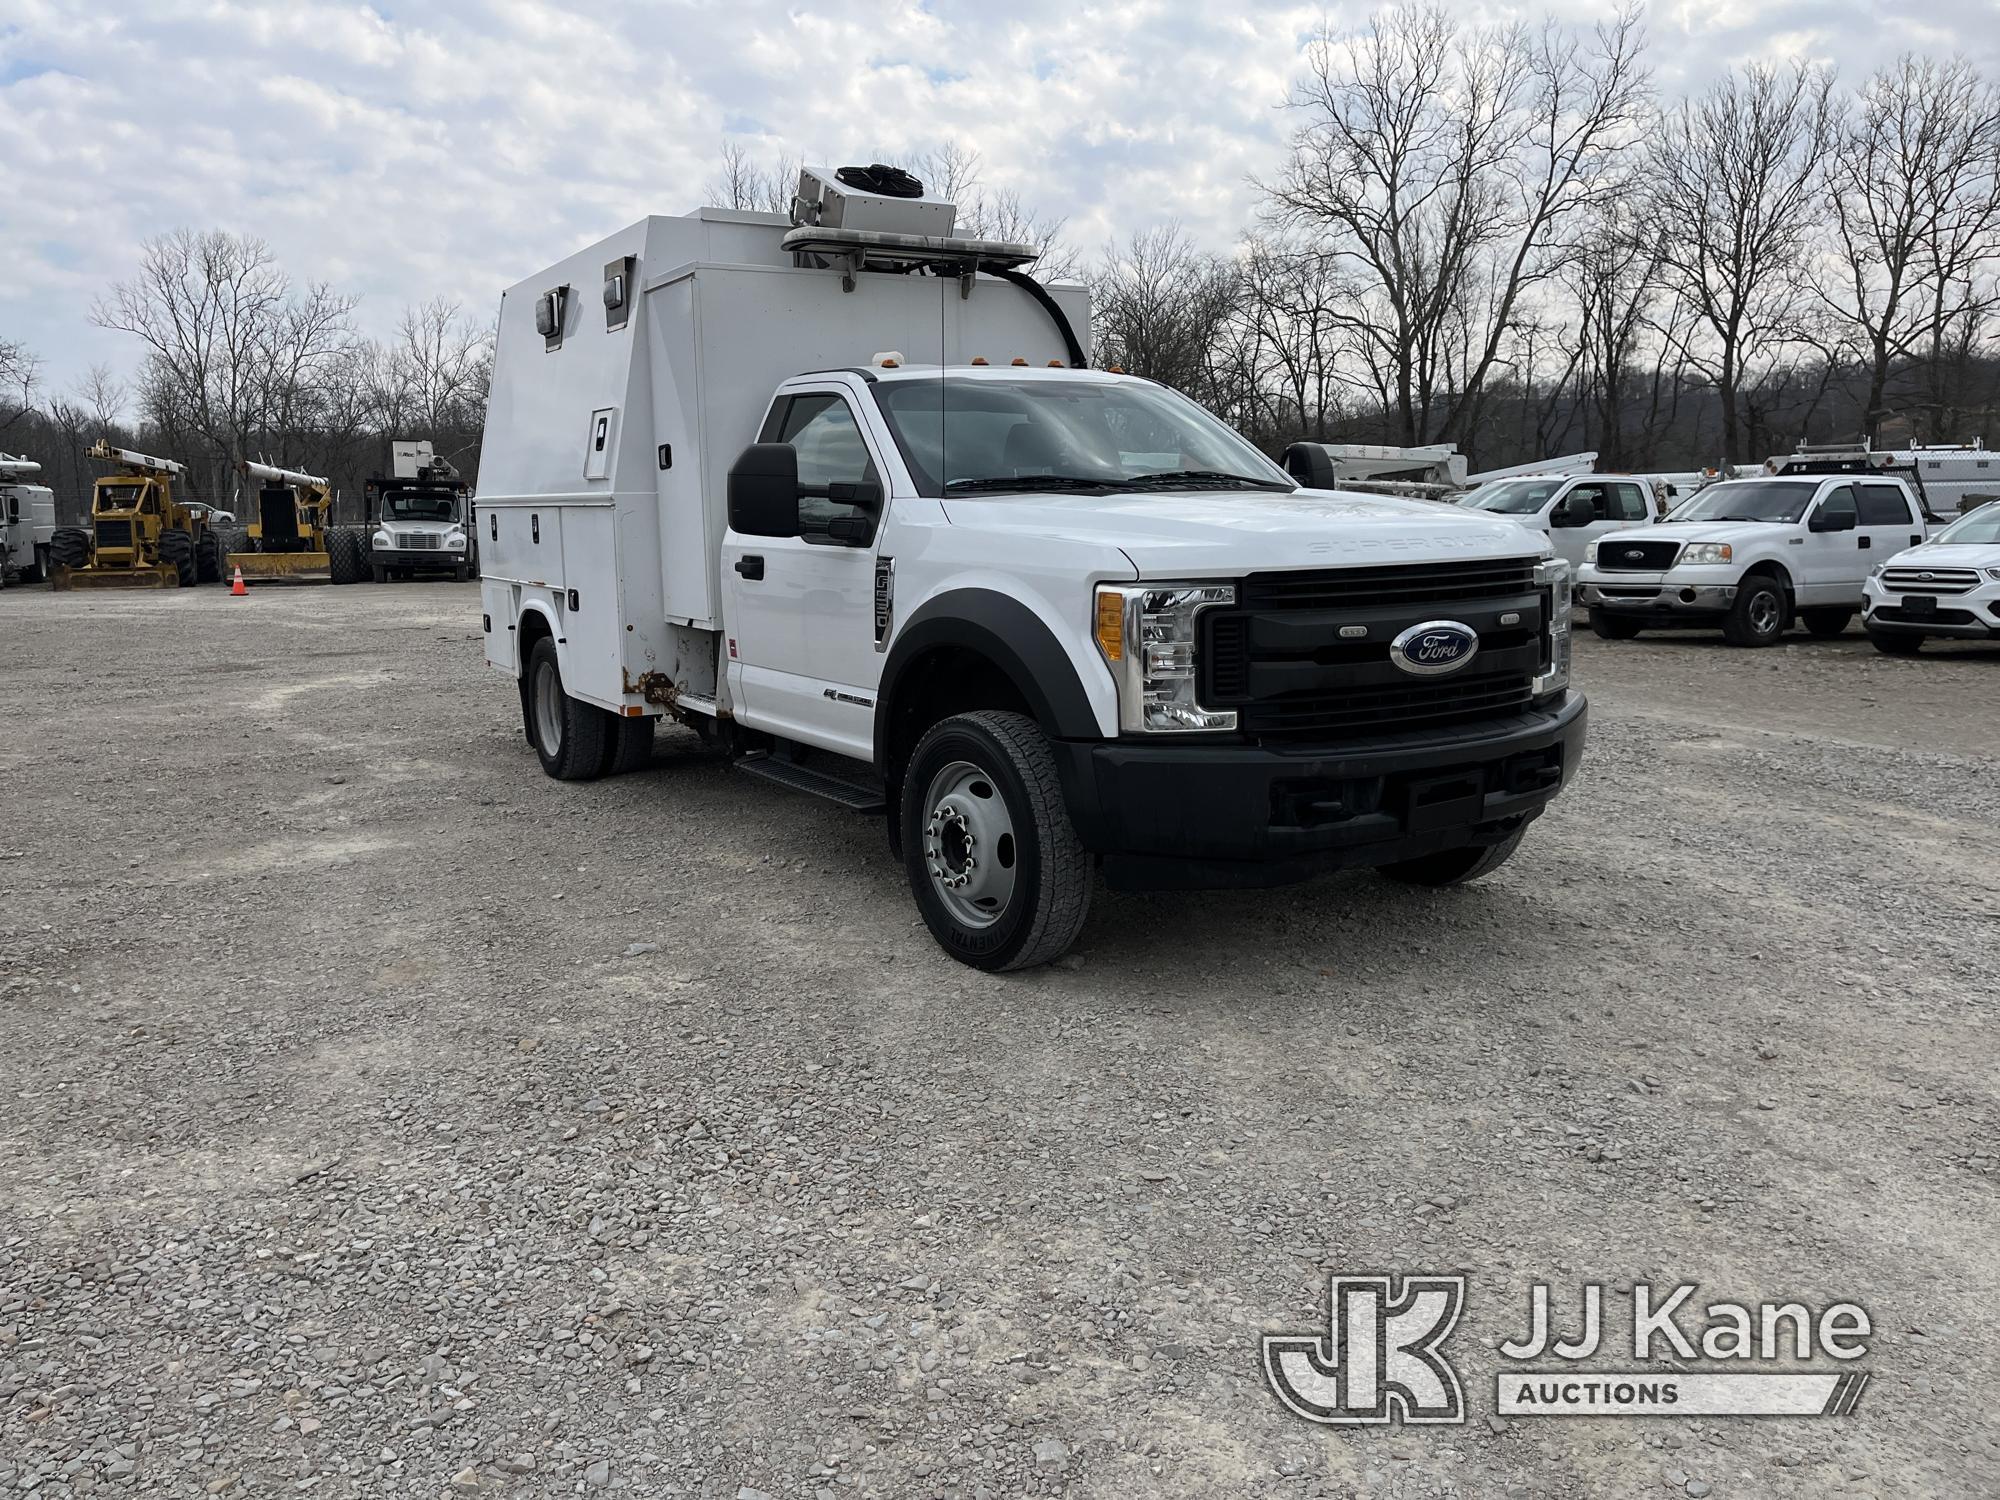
(1570, 541)
(799, 610)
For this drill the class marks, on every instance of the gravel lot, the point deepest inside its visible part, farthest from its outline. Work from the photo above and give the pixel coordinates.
(388, 1119)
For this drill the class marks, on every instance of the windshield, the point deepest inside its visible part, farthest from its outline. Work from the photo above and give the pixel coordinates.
(1749, 500)
(965, 435)
(420, 505)
(1980, 529)
(1512, 497)
(118, 496)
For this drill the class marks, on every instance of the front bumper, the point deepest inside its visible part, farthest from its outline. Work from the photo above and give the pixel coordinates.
(426, 557)
(1972, 616)
(1682, 597)
(1191, 816)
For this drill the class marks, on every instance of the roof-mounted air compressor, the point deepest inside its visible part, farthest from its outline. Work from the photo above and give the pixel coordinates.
(879, 218)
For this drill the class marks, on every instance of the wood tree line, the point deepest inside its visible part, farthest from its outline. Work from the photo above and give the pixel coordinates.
(239, 361)
(1501, 237)
(1498, 236)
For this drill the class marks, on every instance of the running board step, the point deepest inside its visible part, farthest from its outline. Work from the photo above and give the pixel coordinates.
(850, 792)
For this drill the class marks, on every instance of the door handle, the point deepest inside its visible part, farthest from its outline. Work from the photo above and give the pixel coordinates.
(750, 566)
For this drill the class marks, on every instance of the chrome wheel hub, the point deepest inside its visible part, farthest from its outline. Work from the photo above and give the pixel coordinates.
(969, 845)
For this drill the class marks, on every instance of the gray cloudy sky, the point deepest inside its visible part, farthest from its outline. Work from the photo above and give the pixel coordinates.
(402, 150)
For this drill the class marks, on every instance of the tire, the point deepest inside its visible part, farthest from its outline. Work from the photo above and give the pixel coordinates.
(343, 555)
(378, 573)
(1456, 866)
(990, 777)
(1896, 642)
(569, 735)
(69, 547)
(40, 572)
(1826, 623)
(628, 744)
(461, 573)
(207, 558)
(1613, 627)
(177, 551)
(1757, 618)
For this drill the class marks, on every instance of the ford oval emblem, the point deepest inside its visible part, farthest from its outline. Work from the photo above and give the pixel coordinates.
(1434, 648)
(1927, 577)
(1633, 554)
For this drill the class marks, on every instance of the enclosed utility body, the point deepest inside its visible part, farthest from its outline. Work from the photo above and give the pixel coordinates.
(848, 499)
(27, 522)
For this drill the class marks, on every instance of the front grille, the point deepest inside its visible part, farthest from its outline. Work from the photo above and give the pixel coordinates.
(1375, 588)
(1378, 710)
(420, 541)
(1617, 556)
(1282, 662)
(114, 533)
(1941, 581)
(1930, 617)
(1639, 591)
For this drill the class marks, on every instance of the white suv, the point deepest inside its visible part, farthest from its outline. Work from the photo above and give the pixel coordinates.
(1949, 586)
(1571, 510)
(1750, 556)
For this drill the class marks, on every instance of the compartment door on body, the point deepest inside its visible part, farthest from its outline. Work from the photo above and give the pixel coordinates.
(800, 618)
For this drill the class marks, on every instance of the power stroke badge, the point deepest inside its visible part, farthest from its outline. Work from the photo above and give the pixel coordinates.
(1383, 1357)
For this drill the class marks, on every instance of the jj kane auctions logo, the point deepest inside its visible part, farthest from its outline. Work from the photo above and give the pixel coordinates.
(1382, 1357)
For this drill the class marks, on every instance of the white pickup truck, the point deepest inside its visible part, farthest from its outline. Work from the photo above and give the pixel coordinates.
(1750, 556)
(1571, 510)
(1949, 587)
(839, 492)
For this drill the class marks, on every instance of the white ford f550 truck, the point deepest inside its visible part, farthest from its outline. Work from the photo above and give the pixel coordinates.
(1750, 556)
(839, 490)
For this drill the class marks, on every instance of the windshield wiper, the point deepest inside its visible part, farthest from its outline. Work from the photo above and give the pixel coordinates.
(1026, 484)
(1206, 479)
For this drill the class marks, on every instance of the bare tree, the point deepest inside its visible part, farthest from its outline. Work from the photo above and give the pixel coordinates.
(743, 183)
(19, 373)
(1914, 191)
(1734, 180)
(234, 354)
(1162, 309)
(1440, 169)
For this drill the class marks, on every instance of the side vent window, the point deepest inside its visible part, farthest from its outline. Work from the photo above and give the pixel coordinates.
(551, 311)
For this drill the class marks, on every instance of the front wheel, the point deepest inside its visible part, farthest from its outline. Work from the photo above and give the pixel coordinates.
(1757, 618)
(998, 872)
(1896, 642)
(1826, 623)
(1613, 627)
(568, 733)
(177, 552)
(1456, 866)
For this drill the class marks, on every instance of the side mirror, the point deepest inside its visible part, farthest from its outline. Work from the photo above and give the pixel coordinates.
(1309, 464)
(1575, 510)
(764, 491)
(1826, 519)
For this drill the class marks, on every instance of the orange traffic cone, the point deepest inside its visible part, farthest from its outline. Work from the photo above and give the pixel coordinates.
(236, 589)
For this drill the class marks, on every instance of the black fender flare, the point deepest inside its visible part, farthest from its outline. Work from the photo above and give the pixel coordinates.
(1011, 636)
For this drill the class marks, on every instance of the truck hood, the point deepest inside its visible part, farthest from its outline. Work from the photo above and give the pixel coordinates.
(1220, 533)
(1703, 531)
(403, 528)
(1933, 555)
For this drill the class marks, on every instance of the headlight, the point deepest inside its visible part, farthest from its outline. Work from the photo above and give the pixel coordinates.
(1147, 636)
(1994, 574)
(1552, 577)
(1876, 571)
(454, 539)
(384, 540)
(1590, 552)
(1707, 552)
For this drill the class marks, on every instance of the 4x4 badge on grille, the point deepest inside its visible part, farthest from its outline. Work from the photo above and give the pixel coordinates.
(1434, 648)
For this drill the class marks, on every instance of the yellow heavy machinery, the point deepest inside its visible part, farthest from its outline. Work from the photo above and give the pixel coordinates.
(289, 539)
(139, 535)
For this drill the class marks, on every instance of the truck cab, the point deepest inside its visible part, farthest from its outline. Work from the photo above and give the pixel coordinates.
(27, 522)
(1572, 511)
(841, 491)
(1752, 556)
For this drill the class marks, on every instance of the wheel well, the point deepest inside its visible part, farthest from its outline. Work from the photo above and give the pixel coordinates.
(945, 680)
(1769, 569)
(534, 626)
